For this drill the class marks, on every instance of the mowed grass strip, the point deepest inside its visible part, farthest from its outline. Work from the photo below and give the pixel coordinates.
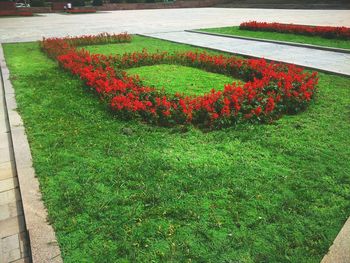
(313, 40)
(139, 43)
(180, 79)
(124, 191)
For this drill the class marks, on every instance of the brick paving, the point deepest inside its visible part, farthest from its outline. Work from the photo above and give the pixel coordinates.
(14, 245)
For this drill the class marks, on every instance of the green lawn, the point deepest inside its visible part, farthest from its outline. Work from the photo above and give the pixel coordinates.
(124, 191)
(186, 80)
(139, 43)
(319, 41)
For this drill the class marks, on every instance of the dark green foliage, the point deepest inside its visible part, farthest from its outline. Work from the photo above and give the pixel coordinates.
(37, 3)
(97, 2)
(78, 3)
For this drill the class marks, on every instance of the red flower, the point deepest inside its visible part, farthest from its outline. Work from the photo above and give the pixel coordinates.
(215, 115)
(270, 105)
(276, 88)
(257, 111)
(322, 31)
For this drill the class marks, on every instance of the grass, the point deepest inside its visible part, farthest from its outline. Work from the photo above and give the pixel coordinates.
(124, 191)
(139, 43)
(181, 79)
(319, 41)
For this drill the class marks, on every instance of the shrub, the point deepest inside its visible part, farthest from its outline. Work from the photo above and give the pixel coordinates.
(78, 3)
(97, 2)
(37, 3)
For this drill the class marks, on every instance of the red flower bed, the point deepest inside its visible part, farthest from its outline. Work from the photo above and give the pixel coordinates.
(271, 89)
(322, 31)
(15, 13)
(80, 11)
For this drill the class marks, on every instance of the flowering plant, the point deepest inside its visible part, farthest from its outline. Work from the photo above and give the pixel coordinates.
(15, 13)
(322, 31)
(271, 89)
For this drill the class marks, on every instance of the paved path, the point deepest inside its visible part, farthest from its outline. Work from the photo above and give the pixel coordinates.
(13, 238)
(324, 60)
(339, 252)
(151, 21)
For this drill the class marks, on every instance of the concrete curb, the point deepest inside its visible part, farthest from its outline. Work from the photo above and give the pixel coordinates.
(246, 56)
(43, 243)
(339, 252)
(340, 50)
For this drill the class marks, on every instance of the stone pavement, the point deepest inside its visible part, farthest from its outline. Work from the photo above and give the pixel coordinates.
(13, 236)
(152, 21)
(339, 252)
(319, 59)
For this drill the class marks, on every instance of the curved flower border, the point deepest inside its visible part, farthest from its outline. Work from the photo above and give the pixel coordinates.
(271, 89)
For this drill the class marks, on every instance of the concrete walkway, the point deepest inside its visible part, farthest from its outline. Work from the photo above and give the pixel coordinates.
(328, 61)
(339, 252)
(13, 236)
(150, 21)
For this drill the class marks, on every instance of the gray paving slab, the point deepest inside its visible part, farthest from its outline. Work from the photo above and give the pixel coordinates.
(22, 260)
(4, 137)
(339, 252)
(150, 21)
(8, 184)
(12, 226)
(11, 210)
(6, 169)
(5, 155)
(9, 196)
(328, 61)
